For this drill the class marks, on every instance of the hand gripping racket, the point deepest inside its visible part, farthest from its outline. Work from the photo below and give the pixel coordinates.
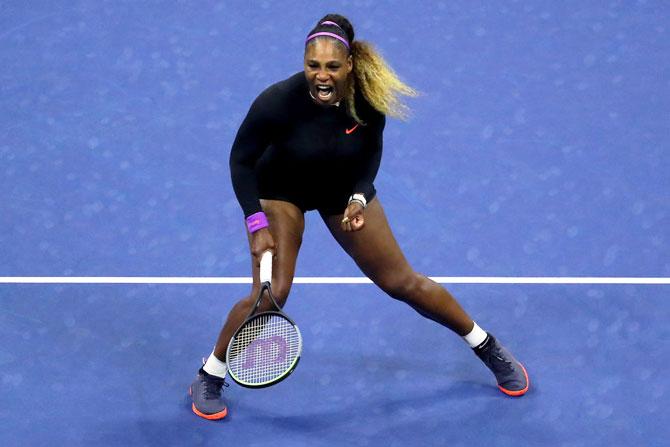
(267, 347)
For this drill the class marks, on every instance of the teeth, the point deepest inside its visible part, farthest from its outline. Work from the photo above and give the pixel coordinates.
(324, 92)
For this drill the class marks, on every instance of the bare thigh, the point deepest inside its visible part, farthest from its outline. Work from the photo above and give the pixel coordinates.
(373, 248)
(287, 223)
(376, 252)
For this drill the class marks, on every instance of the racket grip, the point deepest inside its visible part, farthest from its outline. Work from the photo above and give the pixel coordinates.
(266, 267)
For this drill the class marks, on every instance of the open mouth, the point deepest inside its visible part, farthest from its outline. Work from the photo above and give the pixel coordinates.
(324, 92)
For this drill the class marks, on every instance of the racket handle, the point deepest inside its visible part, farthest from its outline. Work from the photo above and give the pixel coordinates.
(266, 267)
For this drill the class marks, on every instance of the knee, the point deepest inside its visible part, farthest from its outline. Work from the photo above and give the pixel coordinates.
(281, 290)
(403, 286)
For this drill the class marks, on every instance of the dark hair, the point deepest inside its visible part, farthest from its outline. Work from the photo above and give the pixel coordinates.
(343, 29)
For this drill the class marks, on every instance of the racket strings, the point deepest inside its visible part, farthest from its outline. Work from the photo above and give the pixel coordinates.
(265, 349)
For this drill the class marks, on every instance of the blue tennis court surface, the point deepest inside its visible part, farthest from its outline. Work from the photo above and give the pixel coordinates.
(538, 148)
(101, 365)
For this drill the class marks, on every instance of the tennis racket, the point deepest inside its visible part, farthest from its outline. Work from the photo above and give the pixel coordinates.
(267, 347)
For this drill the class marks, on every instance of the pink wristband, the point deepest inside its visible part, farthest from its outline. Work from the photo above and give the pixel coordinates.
(257, 221)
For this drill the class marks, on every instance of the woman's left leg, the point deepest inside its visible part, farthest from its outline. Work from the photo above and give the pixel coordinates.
(376, 252)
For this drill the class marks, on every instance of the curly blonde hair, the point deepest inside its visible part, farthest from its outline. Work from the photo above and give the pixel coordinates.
(378, 83)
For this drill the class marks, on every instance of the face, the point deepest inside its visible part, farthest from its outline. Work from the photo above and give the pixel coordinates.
(327, 67)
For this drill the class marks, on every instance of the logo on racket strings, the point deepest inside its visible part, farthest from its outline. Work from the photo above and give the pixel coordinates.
(265, 347)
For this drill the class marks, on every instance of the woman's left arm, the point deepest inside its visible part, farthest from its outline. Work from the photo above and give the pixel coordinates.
(367, 171)
(369, 165)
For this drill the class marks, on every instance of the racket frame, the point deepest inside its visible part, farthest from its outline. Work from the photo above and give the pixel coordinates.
(252, 315)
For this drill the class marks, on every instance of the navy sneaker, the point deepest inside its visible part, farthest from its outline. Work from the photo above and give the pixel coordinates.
(511, 376)
(206, 392)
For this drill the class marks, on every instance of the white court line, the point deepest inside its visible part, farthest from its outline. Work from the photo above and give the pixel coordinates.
(323, 280)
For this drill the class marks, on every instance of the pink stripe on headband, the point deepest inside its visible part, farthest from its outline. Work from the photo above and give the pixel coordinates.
(341, 39)
(328, 22)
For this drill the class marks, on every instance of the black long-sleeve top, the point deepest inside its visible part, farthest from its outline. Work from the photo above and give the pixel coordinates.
(289, 146)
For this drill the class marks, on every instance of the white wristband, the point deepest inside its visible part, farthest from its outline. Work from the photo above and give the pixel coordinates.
(360, 198)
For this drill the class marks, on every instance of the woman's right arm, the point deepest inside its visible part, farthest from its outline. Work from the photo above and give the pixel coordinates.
(253, 137)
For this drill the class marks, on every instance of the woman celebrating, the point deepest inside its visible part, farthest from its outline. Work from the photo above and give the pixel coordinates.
(314, 142)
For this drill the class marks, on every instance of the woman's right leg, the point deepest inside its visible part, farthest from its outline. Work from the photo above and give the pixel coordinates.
(287, 223)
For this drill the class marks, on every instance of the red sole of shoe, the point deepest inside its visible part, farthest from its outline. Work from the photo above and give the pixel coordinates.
(209, 417)
(520, 392)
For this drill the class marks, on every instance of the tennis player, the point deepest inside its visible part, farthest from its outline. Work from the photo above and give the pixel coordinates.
(314, 142)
